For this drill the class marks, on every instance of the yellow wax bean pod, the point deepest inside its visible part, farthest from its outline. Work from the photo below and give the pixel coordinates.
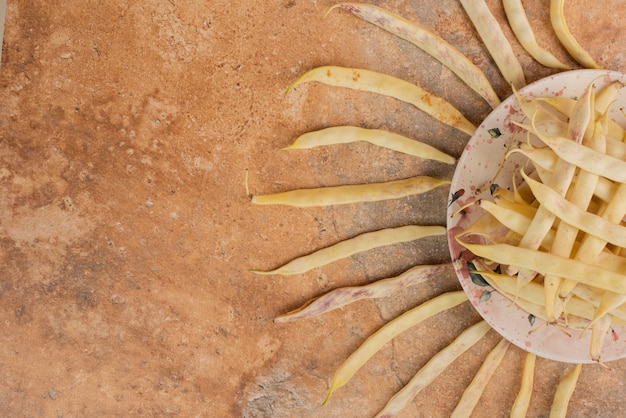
(485, 224)
(549, 127)
(521, 192)
(534, 293)
(347, 134)
(544, 219)
(579, 197)
(374, 82)
(523, 209)
(609, 301)
(518, 223)
(562, 104)
(599, 330)
(606, 259)
(507, 215)
(579, 218)
(606, 96)
(544, 160)
(531, 298)
(544, 175)
(583, 115)
(340, 195)
(546, 263)
(546, 127)
(343, 296)
(605, 189)
(592, 247)
(565, 105)
(434, 368)
(430, 43)
(360, 243)
(522, 400)
(564, 392)
(577, 52)
(501, 192)
(513, 196)
(538, 311)
(498, 46)
(535, 111)
(474, 391)
(388, 332)
(616, 148)
(594, 296)
(542, 157)
(516, 15)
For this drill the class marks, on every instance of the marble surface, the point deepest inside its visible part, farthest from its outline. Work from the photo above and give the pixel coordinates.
(126, 235)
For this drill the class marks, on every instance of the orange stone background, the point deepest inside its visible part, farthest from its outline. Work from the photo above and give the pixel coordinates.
(126, 235)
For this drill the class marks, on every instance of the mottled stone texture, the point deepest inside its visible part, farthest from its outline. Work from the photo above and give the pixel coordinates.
(126, 131)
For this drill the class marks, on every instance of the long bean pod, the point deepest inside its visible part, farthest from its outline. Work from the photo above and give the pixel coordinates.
(430, 43)
(379, 289)
(498, 46)
(434, 368)
(475, 389)
(349, 247)
(389, 331)
(564, 392)
(516, 15)
(522, 400)
(366, 80)
(557, 18)
(355, 193)
(546, 263)
(347, 134)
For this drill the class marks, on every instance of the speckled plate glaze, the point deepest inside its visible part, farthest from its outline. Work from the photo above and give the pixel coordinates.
(480, 161)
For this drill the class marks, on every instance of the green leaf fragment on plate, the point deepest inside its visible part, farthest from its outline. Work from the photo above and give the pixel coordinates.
(485, 296)
(477, 279)
(495, 132)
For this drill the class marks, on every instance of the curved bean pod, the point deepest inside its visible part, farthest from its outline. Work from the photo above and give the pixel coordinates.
(389, 331)
(347, 134)
(433, 368)
(430, 43)
(586, 158)
(360, 243)
(543, 220)
(378, 289)
(374, 82)
(557, 18)
(520, 25)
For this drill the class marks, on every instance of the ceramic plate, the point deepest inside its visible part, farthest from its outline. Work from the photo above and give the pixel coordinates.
(479, 163)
